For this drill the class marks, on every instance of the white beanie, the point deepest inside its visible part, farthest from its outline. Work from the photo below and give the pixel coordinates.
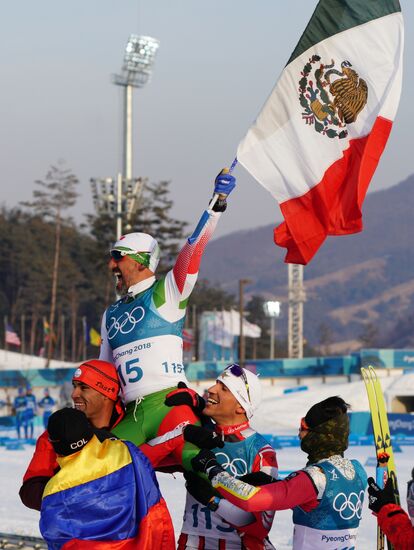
(132, 243)
(237, 386)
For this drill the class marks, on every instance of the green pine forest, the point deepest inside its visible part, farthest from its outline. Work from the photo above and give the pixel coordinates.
(54, 272)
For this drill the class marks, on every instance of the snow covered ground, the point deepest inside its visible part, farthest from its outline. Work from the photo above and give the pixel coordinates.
(278, 414)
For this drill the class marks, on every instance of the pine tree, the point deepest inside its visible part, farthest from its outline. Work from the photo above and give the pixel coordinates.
(152, 216)
(55, 194)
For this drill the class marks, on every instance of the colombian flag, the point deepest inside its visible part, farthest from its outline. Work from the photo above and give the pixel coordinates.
(105, 497)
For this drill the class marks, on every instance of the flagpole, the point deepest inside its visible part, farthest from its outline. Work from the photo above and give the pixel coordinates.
(242, 347)
(22, 326)
(44, 335)
(232, 333)
(215, 333)
(62, 337)
(5, 319)
(84, 338)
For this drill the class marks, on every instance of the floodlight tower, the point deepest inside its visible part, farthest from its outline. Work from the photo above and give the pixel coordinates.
(135, 73)
(272, 310)
(120, 196)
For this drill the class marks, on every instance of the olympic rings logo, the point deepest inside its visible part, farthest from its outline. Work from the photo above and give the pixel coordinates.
(126, 322)
(349, 506)
(231, 465)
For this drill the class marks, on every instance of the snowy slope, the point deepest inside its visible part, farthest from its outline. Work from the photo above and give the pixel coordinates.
(278, 414)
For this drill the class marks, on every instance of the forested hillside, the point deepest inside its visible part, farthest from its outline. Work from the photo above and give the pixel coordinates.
(359, 287)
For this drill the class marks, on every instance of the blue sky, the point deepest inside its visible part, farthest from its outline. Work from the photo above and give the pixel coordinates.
(217, 63)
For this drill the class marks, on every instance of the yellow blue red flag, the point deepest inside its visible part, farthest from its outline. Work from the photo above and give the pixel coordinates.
(105, 497)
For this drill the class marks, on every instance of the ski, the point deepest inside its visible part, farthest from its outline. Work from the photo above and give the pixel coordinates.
(382, 438)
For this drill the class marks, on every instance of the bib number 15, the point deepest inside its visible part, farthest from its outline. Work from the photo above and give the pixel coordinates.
(133, 373)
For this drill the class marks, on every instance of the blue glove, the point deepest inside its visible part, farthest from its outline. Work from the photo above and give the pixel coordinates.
(225, 183)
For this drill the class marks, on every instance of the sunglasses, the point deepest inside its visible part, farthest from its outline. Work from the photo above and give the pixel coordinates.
(117, 255)
(237, 370)
(141, 257)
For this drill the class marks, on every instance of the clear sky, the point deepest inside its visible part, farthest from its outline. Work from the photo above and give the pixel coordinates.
(217, 63)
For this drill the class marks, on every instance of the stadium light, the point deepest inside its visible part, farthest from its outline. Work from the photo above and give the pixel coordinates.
(272, 310)
(139, 59)
(120, 196)
(242, 347)
(136, 71)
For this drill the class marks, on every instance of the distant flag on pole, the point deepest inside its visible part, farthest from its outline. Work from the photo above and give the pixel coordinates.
(319, 137)
(187, 339)
(12, 337)
(94, 337)
(46, 330)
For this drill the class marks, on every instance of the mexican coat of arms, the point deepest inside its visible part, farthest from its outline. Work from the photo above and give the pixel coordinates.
(331, 98)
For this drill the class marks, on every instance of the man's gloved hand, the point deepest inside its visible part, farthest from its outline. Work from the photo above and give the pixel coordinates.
(257, 479)
(203, 438)
(225, 183)
(185, 396)
(199, 488)
(223, 186)
(206, 462)
(377, 497)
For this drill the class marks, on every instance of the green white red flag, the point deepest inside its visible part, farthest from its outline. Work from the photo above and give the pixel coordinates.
(319, 137)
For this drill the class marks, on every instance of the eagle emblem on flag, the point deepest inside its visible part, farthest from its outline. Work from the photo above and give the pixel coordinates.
(331, 98)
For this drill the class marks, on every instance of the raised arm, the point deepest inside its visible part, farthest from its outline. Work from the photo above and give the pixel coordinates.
(181, 279)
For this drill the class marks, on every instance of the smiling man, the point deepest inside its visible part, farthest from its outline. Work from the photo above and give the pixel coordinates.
(105, 494)
(95, 393)
(142, 332)
(209, 521)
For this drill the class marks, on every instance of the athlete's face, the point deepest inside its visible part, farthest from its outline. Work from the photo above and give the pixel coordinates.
(128, 272)
(89, 401)
(223, 407)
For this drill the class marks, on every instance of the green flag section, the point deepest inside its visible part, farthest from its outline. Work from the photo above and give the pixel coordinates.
(319, 137)
(334, 16)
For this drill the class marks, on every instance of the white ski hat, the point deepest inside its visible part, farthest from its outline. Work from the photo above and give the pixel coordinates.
(135, 243)
(244, 385)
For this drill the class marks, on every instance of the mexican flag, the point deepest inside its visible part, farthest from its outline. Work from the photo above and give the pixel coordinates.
(319, 137)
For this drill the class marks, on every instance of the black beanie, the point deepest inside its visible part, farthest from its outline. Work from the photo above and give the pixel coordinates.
(328, 430)
(69, 431)
(325, 410)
